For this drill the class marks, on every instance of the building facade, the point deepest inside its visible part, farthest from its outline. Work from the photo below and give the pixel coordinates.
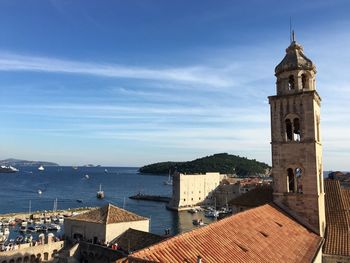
(103, 224)
(193, 189)
(296, 139)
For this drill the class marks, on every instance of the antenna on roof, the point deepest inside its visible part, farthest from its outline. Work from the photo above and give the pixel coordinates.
(290, 30)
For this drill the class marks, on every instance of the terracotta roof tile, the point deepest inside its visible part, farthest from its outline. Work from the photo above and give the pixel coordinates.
(108, 214)
(239, 238)
(132, 240)
(337, 202)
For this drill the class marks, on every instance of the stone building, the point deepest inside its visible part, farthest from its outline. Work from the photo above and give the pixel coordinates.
(31, 252)
(296, 139)
(193, 189)
(293, 227)
(103, 224)
(258, 196)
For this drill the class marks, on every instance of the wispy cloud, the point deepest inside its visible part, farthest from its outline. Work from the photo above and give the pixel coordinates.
(192, 74)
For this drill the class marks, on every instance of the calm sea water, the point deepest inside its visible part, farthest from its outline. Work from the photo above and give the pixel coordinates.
(67, 185)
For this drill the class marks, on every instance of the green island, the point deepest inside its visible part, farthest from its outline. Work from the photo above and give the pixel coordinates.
(222, 162)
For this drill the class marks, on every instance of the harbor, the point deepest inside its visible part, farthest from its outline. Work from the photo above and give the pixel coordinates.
(18, 229)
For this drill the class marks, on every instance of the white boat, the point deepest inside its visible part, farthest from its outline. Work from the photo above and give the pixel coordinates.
(8, 169)
(106, 171)
(87, 176)
(211, 213)
(41, 168)
(3, 238)
(54, 227)
(6, 231)
(60, 219)
(40, 192)
(193, 210)
(197, 222)
(100, 194)
(169, 181)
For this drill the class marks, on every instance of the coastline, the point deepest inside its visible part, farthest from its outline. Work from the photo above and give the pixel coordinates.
(24, 215)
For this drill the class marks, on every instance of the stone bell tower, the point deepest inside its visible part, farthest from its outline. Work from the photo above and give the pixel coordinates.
(296, 140)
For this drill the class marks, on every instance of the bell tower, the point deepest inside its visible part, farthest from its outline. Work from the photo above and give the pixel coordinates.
(296, 140)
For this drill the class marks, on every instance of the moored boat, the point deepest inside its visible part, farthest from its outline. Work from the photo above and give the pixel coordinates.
(193, 210)
(8, 169)
(41, 168)
(100, 194)
(197, 222)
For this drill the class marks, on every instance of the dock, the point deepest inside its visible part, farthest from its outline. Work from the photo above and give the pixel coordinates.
(67, 212)
(155, 198)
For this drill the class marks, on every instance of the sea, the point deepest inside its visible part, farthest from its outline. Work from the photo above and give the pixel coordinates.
(19, 192)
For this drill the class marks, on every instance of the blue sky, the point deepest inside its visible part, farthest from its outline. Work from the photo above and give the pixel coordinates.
(132, 82)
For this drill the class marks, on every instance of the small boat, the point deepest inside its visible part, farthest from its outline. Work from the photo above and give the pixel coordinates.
(169, 181)
(28, 238)
(3, 238)
(87, 176)
(197, 222)
(79, 200)
(8, 169)
(19, 239)
(23, 229)
(6, 231)
(40, 192)
(211, 213)
(41, 168)
(43, 228)
(24, 223)
(106, 171)
(60, 219)
(31, 229)
(193, 211)
(53, 227)
(100, 194)
(75, 167)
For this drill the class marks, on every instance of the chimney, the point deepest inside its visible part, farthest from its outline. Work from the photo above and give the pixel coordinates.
(199, 259)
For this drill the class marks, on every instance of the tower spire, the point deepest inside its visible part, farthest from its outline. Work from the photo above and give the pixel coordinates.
(291, 31)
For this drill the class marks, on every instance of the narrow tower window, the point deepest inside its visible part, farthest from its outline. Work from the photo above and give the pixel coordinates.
(296, 130)
(303, 81)
(291, 180)
(291, 82)
(289, 130)
(298, 173)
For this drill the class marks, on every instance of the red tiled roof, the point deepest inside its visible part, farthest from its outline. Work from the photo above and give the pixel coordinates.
(337, 204)
(263, 234)
(108, 214)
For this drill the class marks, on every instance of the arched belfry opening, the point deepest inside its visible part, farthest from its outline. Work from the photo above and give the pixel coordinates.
(295, 139)
(291, 83)
(292, 129)
(291, 180)
(303, 81)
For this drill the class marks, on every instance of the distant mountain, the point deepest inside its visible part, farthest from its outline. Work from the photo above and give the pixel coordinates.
(16, 162)
(221, 162)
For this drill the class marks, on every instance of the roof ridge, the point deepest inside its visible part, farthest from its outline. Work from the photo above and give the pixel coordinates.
(108, 210)
(126, 211)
